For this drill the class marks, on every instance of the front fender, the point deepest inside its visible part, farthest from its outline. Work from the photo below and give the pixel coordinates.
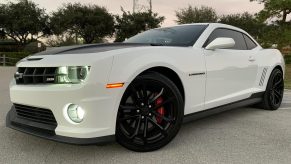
(183, 61)
(124, 70)
(180, 59)
(127, 67)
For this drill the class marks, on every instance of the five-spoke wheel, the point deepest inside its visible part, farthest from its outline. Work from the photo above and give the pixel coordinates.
(274, 92)
(150, 113)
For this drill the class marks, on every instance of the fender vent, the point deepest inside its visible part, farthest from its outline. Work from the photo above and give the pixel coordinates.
(263, 76)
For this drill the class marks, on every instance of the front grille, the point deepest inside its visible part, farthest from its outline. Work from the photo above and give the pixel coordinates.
(35, 75)
(34, 114)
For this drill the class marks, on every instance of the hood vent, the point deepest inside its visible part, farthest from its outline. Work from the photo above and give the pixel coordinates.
(34, 59)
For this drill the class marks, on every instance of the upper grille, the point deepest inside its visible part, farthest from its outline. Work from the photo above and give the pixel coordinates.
(34, 114)
(35, 75)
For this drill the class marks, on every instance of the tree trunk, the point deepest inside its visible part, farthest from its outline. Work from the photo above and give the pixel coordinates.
(284, 16)
(76, 38)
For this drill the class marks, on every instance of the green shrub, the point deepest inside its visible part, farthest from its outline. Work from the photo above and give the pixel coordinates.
(287, 59)
(7, 42)
(15, 54)
(13, 57)
(11, 48)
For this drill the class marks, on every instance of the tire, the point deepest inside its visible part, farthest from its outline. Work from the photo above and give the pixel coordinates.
(150, 113)
(274, 92)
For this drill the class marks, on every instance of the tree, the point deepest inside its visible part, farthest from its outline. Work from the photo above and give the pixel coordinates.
(196, 15)
(2, 34)
(129, 24)
(275, 35)
(275, 8)
(246, 21)
(90, 22)
(22, 20)
(61, 40)
(279, 31)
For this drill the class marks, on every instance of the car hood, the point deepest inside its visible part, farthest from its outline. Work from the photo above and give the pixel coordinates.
(77, 55)
(85, 54)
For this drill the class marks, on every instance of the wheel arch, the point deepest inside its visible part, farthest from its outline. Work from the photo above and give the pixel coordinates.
(169, 73)
(164, 69)
(279, 67)
(268, 76)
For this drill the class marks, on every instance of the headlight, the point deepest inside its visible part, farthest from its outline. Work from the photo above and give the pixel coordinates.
(72, 74)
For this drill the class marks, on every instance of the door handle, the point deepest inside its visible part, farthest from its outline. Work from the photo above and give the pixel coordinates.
(251, 59)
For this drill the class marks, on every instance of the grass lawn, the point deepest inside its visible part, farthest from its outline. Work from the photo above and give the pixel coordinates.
(288, 76)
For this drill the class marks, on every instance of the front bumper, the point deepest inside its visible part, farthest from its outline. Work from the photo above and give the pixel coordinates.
(100, 105)
(47, 132)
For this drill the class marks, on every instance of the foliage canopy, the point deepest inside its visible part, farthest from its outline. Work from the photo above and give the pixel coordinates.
(130, 24)
(191, 14)
(22, 20)
(90, 22)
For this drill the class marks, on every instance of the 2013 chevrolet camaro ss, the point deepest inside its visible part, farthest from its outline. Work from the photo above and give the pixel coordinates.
(139, 92)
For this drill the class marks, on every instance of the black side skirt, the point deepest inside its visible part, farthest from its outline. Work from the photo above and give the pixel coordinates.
(253, 99)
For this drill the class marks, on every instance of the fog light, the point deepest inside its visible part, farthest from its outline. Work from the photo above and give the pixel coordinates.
(75, 113)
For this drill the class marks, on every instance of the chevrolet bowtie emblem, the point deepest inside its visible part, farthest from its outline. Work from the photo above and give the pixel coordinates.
(18, 75)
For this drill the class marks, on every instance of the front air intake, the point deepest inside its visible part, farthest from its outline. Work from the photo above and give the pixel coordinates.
(34, 114)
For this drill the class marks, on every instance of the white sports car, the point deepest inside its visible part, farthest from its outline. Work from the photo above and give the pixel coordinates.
(141, 91)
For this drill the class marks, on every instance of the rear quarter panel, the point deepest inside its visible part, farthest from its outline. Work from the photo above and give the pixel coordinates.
(269, 59)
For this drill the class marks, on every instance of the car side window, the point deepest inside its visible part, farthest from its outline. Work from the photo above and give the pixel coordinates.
(240, 43)
(250, 43)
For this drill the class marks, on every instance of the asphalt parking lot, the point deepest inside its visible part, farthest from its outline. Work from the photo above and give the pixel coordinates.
(244, 135)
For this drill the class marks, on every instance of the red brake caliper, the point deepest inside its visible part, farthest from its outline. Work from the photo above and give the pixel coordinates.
(160, 110)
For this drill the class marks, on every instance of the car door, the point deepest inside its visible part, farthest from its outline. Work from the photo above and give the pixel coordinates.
(231, 73)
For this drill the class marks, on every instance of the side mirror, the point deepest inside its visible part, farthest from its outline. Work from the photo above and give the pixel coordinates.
(220, 43)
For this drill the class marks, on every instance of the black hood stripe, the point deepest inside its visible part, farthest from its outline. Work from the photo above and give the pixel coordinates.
(90, 48)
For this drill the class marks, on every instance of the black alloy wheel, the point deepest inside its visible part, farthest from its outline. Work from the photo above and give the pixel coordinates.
(274, 92)
(150, 113)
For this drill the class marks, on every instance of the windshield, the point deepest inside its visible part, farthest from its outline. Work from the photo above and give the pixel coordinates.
(171, 36)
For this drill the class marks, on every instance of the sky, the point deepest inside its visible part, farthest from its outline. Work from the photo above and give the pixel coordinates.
(165, 8)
